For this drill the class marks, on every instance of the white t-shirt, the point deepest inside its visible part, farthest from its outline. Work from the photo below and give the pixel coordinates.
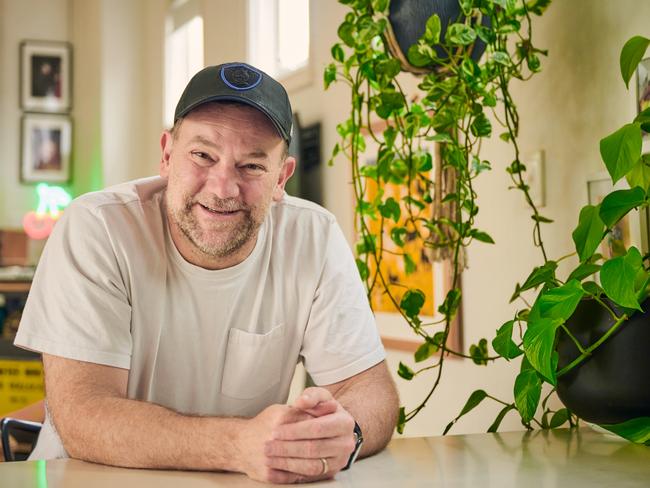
(111, 288)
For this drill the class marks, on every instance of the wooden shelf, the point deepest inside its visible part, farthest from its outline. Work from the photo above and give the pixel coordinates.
(15, 286)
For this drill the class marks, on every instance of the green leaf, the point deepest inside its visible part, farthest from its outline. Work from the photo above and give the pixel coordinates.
(416, 58)
(528, 390)
(474, 399)
(481, 126)
(397, 234)
(427, 349)
(561, 302)
(559, 418)
(345, 32)
(379, 6)
(592, 288)
(621, 150)
(337, 52)
(441, 137)
(390, 209)
(639, 175)
(329, 75)
(636, 430)
(432, 30)
(540, 275)
(617, 277)
(481, 236)
(503, 343)
(589, 232)
(618, 203)
(501, 58)
(364, 272)
(450, 304)
(405, 372)
(401, 420)
(497, 421)
(631, 54)
(539, 342)
(542, 219)
(409, 264)
(460, 34)
(412, 302)
(583, 270)
(479, 352)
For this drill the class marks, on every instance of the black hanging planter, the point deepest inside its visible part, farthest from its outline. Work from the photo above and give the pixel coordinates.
(613, 385)
(408, 20)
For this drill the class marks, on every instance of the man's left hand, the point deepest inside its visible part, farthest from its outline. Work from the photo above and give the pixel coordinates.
(316, 448)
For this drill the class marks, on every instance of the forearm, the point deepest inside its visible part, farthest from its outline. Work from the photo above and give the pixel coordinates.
(373, 401)
(122, 432)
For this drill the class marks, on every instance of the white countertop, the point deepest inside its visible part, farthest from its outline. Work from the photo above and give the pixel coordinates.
(557, 458)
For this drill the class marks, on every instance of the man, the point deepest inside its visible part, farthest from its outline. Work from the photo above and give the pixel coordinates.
(171, 311)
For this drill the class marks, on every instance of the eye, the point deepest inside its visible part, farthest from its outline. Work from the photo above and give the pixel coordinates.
(200, 157)
(253, 168)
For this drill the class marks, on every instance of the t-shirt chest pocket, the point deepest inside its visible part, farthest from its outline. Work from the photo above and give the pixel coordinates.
(253, 362)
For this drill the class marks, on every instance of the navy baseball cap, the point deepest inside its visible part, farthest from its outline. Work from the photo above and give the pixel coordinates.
(239, 82)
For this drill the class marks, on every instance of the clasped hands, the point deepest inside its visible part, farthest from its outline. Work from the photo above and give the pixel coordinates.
(308, 441)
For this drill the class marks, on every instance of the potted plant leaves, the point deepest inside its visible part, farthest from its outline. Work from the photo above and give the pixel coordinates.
(588, 335)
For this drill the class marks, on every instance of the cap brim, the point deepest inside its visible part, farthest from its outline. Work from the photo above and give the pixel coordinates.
(232, 98)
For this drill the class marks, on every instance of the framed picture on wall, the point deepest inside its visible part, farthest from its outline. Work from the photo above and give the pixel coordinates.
(45, 148)
(45, 76)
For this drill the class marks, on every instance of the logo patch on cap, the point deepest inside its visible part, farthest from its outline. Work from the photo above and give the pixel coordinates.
(240, 76)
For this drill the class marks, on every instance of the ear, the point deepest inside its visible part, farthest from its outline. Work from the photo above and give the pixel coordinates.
(288, 167)
(166, 141)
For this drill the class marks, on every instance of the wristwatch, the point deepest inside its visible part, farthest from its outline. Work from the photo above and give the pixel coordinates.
(358, 442)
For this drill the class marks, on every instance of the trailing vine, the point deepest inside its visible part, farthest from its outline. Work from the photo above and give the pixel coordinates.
(429, 147)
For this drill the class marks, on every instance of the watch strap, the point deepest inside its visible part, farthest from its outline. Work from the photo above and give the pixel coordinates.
(358, 442)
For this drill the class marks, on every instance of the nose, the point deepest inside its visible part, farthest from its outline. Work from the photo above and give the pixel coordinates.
(223, 181)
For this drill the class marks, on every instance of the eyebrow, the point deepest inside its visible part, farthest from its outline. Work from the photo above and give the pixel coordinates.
(255, 153)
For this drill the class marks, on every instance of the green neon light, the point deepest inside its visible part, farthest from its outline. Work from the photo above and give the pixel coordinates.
(41, 473)
(51, 199)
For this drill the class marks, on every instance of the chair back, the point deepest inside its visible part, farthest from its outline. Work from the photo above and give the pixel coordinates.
(24, 435)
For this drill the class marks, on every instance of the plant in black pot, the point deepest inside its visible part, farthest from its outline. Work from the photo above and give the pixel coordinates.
(588, 335)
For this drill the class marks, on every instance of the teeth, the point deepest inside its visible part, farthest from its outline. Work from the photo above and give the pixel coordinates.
(218, 211)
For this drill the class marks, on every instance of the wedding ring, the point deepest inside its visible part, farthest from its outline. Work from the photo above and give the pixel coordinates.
(326, 467)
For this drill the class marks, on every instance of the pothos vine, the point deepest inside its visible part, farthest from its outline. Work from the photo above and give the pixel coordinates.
(448, 117)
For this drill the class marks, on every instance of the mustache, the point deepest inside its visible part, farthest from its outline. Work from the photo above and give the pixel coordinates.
(220, 204)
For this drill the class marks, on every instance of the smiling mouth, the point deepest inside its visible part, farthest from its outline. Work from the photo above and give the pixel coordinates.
(219, 212)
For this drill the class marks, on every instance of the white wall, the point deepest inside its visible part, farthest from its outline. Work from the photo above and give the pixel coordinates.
(116, 92)
(20, 20)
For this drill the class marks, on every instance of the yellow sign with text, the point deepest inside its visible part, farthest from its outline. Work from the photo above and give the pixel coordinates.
(21, 384)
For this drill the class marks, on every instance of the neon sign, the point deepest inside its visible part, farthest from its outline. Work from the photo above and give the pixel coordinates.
(51, 201)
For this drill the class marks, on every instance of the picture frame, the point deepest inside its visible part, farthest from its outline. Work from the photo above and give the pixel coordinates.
(46, 142)
(631, 230)
(45, 76)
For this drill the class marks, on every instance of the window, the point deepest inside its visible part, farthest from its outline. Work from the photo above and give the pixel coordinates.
(278, 39)
(183, 51)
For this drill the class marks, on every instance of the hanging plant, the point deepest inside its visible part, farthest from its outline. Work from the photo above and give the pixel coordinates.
(429, 148)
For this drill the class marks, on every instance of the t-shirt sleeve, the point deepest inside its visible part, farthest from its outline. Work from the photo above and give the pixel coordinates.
(341, 338)
(78, 306)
